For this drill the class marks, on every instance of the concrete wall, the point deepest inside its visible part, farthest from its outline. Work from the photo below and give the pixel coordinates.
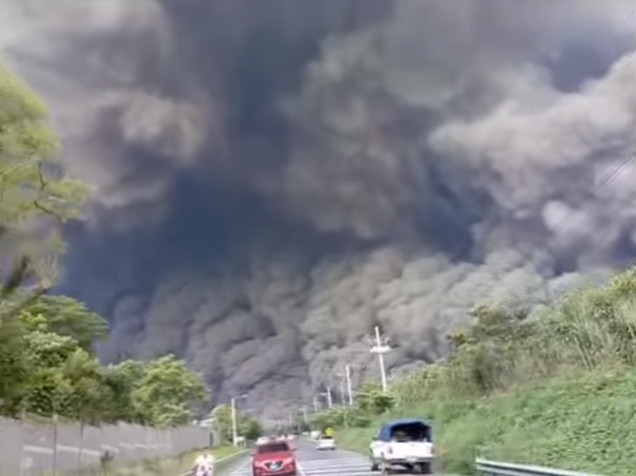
(31, 449)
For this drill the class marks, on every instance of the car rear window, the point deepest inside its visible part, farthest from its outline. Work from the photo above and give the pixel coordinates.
(326, 438)
(272, 447)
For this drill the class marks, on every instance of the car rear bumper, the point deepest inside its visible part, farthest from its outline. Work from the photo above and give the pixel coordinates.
(264, 472)
(407, 461)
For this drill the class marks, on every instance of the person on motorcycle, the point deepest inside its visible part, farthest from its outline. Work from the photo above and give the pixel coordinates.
(204, 464)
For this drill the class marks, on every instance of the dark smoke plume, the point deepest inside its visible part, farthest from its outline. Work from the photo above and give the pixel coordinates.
(275, 178)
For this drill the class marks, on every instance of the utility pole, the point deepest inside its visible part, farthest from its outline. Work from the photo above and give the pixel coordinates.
(328, 395)
(381, 347)
(315, 404)
(234, 424)
(348, 376)
(343, 395)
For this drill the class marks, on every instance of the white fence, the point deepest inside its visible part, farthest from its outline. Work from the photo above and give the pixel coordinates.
(28, 449)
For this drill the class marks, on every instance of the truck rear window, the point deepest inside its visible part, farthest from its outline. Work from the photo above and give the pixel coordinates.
(410, 432)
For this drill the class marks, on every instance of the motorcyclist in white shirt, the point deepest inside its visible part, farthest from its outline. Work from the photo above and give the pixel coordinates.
(204, 464)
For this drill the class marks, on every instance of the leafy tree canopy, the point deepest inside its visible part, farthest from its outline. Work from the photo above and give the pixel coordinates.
(46, 357)
(66, 316)
(168, 390)
(34, 195)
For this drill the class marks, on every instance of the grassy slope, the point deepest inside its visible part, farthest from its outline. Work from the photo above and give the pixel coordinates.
(176, 466)
(584, 422)
(165, 467)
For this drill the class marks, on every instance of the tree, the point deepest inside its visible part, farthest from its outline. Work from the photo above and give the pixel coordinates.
(66, 316)
(169, 394)
(34, 196)
(222, 416)
(250, 428)
(85, 397)
(14, 367)
(48, 387)
(371, 399)
(118, 384)
(34, 199)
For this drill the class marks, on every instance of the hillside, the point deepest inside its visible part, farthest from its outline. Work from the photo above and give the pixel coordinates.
(553, 387)
(586, 422)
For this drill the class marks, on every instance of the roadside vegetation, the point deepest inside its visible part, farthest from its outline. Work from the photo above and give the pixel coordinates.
(171, 466)
(175, 466)
(247, 427)
(47, 361)
(553, 387)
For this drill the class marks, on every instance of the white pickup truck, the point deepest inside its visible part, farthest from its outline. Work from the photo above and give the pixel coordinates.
(406, 443)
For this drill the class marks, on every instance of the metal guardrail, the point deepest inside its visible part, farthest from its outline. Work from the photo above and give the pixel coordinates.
(496, 468)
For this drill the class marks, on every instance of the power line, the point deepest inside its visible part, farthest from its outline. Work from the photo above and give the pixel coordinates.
(605, 181)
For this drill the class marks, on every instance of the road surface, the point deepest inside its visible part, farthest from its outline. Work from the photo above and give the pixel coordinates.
(312, 462)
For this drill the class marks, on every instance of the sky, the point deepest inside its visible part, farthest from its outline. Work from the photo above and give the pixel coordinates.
(274, 179)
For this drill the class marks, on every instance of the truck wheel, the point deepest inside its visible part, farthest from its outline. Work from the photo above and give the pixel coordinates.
(423, 468)
(374, 463)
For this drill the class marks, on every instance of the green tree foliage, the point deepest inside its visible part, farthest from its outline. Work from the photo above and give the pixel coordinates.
(66, 316)
(47, 365)
(588, 332)
(49, 373)
(246, 426)
(168, 392)
(14, 367)
(31, 189)
(119, 383)
(250, 428)
(372, 400)
(48, 384)
(586, 329)
(222, 417)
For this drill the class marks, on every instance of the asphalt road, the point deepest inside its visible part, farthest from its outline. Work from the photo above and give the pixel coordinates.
(312, 462)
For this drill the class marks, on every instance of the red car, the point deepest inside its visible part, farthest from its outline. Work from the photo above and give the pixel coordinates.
(274, 458)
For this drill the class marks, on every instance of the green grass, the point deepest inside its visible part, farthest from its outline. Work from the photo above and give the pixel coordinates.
(182, 464)
(584, 422)
(164, 466)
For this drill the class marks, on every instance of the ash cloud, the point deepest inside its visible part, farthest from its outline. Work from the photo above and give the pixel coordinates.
(273, 179)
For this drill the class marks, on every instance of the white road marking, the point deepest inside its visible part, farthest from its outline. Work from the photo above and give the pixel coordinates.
(338, 463)
(243, 470)
(300, 468)
(335, 467)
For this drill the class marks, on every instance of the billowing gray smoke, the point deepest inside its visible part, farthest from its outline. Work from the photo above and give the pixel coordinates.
(273, 179)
